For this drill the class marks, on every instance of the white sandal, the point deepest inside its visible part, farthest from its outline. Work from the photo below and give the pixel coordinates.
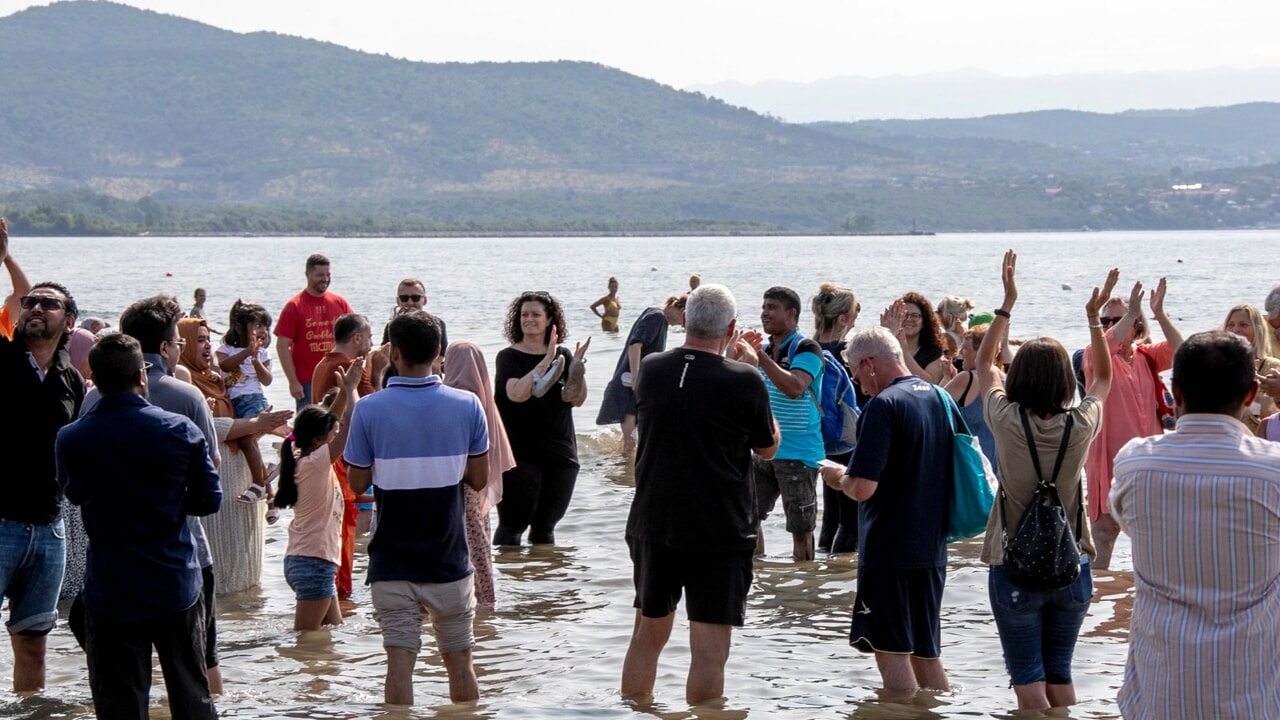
(253, 494)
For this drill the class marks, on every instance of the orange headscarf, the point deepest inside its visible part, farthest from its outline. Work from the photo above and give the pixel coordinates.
(467, 371)
(209, 382)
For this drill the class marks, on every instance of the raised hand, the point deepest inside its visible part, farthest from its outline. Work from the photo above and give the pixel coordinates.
(1157, 299)
(350, 378)
(1135, 298)
(891, 318)
(4, 239)
(1100, 296)
(580, 350)
(1007, 271)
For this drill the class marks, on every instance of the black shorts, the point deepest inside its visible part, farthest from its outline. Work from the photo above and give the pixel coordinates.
(715, 582)
(899, 611)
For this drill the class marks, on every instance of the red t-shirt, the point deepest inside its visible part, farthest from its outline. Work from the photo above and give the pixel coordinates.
(308, 320)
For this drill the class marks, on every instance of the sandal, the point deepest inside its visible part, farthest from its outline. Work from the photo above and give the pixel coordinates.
(253, 494)
(273, 514)
(577, 376)
(542, 383)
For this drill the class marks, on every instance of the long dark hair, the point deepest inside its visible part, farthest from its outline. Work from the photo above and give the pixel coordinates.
(243, 315)
(930, 332)
(313, 422)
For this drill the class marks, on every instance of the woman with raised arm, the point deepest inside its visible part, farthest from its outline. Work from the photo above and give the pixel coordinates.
(538, 383)
(912, 321)
(1132, 409)
(1038, 628)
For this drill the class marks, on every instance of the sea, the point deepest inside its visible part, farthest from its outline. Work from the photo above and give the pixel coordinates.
(553, 647)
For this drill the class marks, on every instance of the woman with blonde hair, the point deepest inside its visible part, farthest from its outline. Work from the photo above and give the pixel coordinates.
(953, 312)
(835, 310)
(1249, 323)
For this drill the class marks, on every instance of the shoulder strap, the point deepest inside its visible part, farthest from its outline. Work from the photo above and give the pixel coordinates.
(965, 395)
(947, 402)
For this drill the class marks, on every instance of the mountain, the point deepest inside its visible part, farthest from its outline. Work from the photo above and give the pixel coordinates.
(120, 120)
(134, 103)
(976, 93)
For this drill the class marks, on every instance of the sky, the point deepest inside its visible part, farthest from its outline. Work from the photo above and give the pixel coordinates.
(687, 42)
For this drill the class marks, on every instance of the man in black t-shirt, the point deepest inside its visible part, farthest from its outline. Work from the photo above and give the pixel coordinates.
(692, 526)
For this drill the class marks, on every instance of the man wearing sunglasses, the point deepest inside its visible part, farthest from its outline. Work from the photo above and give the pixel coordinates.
(411, 294)
(42, 392)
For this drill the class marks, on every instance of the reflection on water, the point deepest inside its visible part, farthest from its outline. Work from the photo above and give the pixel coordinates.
(553, 646)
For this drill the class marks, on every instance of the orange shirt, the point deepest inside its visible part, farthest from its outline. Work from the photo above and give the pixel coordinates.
(6, 323)
(308, 322)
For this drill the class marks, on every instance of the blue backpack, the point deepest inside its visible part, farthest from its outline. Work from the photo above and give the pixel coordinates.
(838, 405)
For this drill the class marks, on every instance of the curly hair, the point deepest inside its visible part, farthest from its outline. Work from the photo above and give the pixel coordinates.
(551, 306)
(930, 332)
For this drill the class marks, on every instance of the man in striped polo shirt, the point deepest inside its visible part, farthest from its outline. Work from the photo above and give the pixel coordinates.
(416, 442)
(792, 368)
(1202, 508)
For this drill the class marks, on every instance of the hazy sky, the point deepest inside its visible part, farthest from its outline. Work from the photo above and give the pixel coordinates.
(683, 42)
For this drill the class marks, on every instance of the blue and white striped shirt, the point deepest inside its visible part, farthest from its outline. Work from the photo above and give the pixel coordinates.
(1202, 506)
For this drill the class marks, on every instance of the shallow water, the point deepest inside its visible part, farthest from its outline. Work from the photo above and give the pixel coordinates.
(554, 645)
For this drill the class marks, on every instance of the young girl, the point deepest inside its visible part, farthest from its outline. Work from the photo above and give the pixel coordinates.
(309, 485)
(247, 368)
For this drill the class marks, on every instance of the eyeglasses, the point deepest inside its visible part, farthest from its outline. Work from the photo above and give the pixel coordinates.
(180, 343)
(29, 302)
(411, 298)
(912, 316)
(1108, 321)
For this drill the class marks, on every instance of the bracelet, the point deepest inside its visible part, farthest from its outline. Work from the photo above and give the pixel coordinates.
(1001, 312)
(1095, 326)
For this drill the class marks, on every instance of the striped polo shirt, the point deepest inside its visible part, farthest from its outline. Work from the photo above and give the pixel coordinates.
(416, 435)
(1202, 507)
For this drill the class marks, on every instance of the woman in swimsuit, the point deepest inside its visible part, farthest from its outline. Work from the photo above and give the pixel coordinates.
(610, 305)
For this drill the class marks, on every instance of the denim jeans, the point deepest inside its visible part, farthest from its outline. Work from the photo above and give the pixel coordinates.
(1038, 629)
(32, 561)
(310, 578)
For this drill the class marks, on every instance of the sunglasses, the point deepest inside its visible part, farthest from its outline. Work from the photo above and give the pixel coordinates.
(29, 302)
(1108, 321)
(411, 298)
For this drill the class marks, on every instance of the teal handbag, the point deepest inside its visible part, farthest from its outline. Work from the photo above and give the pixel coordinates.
(973, 481)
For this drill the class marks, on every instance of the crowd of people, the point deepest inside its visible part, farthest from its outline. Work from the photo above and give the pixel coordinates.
(148, 493)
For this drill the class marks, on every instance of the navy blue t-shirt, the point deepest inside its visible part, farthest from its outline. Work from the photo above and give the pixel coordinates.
(904, 444)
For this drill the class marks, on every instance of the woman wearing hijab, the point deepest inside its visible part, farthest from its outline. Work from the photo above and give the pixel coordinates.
(236, 532)
(467, 371)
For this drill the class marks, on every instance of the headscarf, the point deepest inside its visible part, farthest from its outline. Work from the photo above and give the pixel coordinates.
(467, 371)
(209, 382)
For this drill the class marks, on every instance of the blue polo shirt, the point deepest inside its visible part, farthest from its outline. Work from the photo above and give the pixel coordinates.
(137, 472)
(417, 434)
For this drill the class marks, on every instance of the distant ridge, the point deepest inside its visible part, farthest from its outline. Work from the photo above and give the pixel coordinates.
(976, 93)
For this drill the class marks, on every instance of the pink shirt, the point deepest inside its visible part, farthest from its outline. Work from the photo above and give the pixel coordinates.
(1129, 412)
(316, 529)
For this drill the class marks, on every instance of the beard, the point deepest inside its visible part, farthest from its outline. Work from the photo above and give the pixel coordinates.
(46, 332)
